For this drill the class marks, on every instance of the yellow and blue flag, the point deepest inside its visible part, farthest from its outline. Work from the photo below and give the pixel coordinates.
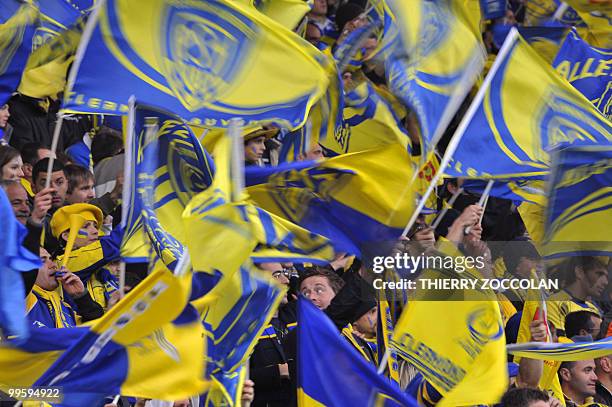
(356, 200)
(225, 389)
(16, 34)
(151, 344)
(564, 352)
(14, 258)
(384, 333)
(435, 61)
(319, 384)
(372, 121)
(541, 12)
(287, 13)
(579, 212)
(545, 40)
(239, 307)
(532, 191)
(206, 61)
(587, 69)
(464, 359)
(492, 9)
(168, 168)
(514, 133)
(57, 16)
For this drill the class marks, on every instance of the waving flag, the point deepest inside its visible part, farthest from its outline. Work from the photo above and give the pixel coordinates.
(318, 384)
(586, 68)
(53, 47)
(579, 214)
(16, 34)
(435, 61)
(545, 40)
(148, 345)
(355, 200)
(239, 307)
(373, 123)
(517, 191)
(168, 167)
(206, 61)
(564, 352)
(13, 260)
(288, 13)
(517, 133)
(464, 359)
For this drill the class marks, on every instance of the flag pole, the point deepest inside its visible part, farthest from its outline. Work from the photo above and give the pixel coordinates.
(78, 57)
(482, 202)
(127, 182)
(237, 167)
(454, 142)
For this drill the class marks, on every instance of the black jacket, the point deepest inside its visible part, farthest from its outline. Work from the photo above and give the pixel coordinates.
(271, 390)
(32, 123)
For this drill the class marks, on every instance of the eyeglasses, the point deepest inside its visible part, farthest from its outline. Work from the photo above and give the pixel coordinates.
(287, 272)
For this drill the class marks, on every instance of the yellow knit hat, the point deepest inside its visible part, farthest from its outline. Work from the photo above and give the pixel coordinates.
(76, 214)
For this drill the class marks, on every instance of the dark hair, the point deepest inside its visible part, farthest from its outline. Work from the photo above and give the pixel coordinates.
(335, 282)
(516, 249)
(568, 268)
(7, 153)
(107, 142)
(29, 152)
(346, 13)
(41, 167)
(521, 397)
(564, 365)
(76, 174)
(575, 321)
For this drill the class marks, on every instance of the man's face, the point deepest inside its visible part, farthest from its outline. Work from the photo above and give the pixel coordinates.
(83, 193)
(581, 378)
(254, 149)
(46, 273)
(58, 181)
(315, 153)
(4, 116)
(19, 201)
(595, 326)
(276, 270)
(596, 281)
(366, 324)
(318, 290)
(319, 8)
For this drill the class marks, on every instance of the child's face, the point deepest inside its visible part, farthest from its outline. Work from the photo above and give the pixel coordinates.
(87, 234)
(82, 193)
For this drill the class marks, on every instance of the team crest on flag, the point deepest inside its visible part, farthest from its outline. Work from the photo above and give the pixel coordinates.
(201, 56)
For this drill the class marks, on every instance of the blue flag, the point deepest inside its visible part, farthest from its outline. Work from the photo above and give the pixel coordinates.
(579, 213)
(13, 259)
(206, 61)
(587, 69)
(332, 373)
(57, 16)
(16, 35)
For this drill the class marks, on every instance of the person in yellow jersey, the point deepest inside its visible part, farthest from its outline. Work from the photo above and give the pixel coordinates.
(90, 252)
(585, 278)
(49, 306)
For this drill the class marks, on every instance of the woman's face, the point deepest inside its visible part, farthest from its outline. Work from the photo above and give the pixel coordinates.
(12, 171)
(4, 116)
